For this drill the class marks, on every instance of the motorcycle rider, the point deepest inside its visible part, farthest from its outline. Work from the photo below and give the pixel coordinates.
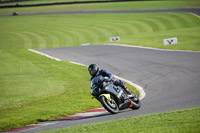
(95, 71)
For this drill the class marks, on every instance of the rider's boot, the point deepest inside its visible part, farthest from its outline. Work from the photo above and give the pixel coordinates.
(130, 93)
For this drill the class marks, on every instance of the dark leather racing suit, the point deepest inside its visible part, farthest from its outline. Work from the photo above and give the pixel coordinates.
(116, 82)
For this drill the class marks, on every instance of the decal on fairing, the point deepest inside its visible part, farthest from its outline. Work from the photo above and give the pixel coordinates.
(107, 96)
(120, 93)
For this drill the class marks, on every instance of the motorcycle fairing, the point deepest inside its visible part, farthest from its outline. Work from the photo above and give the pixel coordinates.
(107, 96)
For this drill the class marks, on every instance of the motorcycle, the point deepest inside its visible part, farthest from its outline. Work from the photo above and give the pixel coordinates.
(112, 97)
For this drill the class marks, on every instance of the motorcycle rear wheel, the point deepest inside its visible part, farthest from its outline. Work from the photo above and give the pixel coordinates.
(110, 106)
(136, 104)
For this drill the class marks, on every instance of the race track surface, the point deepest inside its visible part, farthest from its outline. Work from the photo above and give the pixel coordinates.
(171, 79)
(187, 10)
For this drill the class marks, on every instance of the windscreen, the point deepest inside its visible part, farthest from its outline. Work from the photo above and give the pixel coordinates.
(95, 81)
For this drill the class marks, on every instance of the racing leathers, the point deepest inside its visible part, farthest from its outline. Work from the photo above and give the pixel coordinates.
(116, 82)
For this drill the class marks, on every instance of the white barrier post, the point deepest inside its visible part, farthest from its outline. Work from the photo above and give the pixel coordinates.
(85, 44)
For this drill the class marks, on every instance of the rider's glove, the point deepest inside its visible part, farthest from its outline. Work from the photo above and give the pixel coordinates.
(108, 79)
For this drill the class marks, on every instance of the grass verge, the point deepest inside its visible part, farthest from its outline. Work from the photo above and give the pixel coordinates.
(180, 121)
(28, 2)
(104, 6)
(35, 88)
(146, 29)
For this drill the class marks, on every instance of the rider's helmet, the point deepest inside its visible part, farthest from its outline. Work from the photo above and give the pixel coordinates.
(93, 69)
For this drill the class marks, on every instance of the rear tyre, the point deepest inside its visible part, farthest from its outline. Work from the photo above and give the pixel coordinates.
(136, 103)
(110, 106)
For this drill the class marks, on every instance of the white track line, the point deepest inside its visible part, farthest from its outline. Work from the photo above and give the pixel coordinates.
(139, 88)
(195, 15)
(80, 64)
(51, 57)
(131, 46)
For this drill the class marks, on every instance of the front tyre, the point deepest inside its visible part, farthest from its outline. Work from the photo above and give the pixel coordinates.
(110, 106)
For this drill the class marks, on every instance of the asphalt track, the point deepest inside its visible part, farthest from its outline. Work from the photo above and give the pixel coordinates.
(171, 79)
(188, 10)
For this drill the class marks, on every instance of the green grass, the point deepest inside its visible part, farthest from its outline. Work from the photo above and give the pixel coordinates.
(43, 1)
(147, 29)
(60, 1)
(104, 6)
(181, 121)
(35, 88)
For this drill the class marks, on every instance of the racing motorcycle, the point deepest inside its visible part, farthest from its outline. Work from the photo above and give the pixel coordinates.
(112, 97)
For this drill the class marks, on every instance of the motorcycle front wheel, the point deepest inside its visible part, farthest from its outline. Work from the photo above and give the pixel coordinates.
(110, 106)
